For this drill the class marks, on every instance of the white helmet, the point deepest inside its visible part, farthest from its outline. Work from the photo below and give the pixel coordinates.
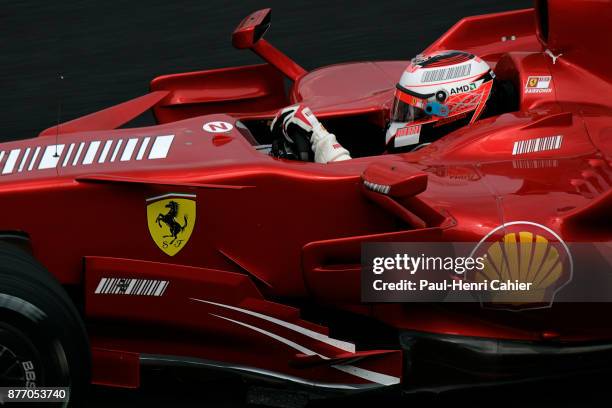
(436, 94)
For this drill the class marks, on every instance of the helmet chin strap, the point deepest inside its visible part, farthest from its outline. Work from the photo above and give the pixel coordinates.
(436, 108)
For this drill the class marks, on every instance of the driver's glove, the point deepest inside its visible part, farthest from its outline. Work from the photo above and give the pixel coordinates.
(300, 128)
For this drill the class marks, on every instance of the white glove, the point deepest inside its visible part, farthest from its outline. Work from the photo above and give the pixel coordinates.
(299, 121)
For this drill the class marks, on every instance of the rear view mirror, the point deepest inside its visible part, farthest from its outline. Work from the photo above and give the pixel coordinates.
(249, 34)
(252, 29)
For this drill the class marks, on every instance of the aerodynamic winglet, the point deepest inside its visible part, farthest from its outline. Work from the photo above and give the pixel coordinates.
(109, 118)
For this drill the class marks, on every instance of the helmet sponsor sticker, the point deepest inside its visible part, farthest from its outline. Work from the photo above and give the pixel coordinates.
(538, 84)
(407, 135)
(409, 99)
(444, 74)
(463, 88)
(217, 127)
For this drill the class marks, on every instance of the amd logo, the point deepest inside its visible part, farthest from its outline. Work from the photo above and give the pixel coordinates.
(463, 88)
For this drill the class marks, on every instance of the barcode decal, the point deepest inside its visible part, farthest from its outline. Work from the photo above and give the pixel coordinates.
(134, 287)
(534, 164)
(444, 74)
(539, 144)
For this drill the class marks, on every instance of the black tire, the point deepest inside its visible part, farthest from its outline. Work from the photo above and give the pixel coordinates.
(40, 328)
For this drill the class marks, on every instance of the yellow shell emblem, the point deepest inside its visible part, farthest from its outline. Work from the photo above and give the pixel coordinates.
(525, 257)
(171, 219)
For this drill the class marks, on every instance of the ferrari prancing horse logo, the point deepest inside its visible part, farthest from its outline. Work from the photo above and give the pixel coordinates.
(171, 219)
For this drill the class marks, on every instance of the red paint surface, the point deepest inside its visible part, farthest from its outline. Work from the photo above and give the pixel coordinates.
(86, 222)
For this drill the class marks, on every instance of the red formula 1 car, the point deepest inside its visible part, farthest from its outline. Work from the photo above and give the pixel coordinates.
(186, 243)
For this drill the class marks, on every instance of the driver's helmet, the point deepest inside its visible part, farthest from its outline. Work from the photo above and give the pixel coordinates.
(437, 93)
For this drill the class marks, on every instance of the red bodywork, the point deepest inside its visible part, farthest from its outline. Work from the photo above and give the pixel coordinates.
(274, 237)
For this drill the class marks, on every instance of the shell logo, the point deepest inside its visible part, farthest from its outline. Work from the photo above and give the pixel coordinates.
(522, 252)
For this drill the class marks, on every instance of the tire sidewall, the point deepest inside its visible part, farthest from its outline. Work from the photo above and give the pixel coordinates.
(35, 305)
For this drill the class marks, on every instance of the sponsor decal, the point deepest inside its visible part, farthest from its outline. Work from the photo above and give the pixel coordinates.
(534, 164)
(515, 266)
(171, 218)
(133, 287)
(539, 144)
(30, 373)
(444, 74)
(552, 56)
(217, 127)
(408, 130)
(410, 100)
(527, 253)
(407, 135)
(85, 153)
(463, 88)
(538, 84)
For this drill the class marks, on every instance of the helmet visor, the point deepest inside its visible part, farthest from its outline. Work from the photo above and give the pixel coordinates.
(406, 108)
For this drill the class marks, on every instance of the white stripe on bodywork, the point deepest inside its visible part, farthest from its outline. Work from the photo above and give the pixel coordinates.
(91, 152)
(105, 151)
(51, 157)
(131, 285)
(34, 157)
(143, 148)
(129, 149)
(67, 158)
(369, 375)
(78, 154)
(372, 376)
(116, 151)
(48, 157)
(11, 161)
(100, 285)
(24, 160)
(283, 340)
(342, 345)
(161, 146)
(162, 288)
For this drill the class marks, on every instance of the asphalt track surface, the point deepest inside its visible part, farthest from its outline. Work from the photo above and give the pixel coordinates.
(108, 52)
